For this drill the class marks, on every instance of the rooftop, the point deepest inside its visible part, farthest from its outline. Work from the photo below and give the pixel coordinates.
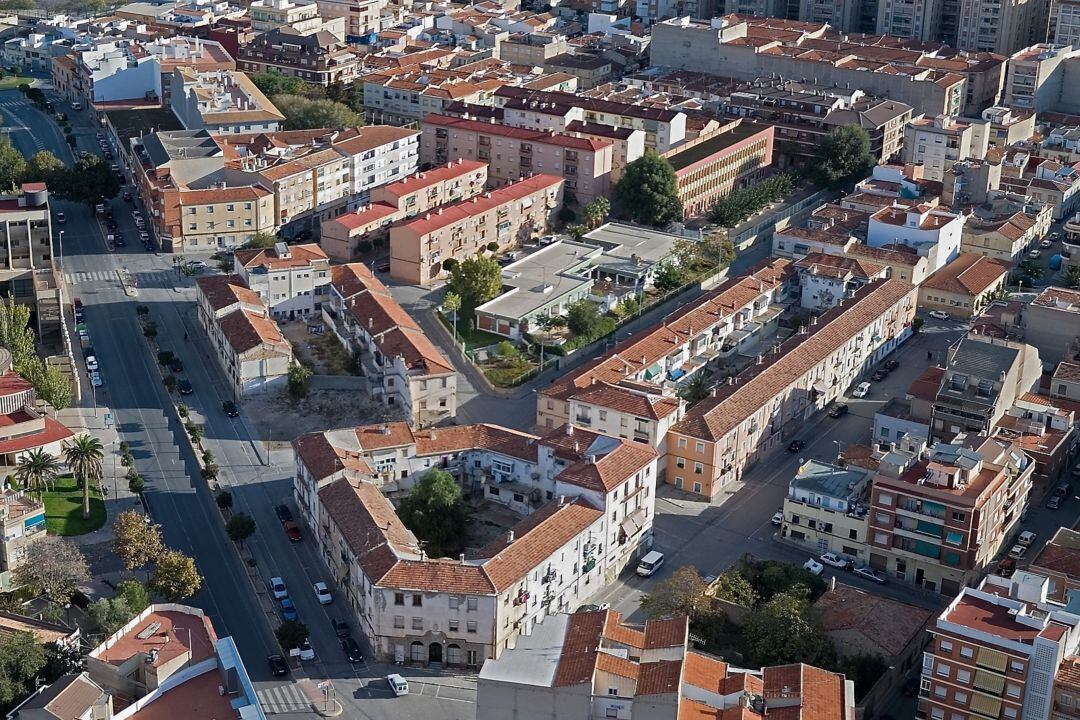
(744, 130)
(161, 632)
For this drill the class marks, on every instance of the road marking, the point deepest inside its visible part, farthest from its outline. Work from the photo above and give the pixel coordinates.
(283, 699)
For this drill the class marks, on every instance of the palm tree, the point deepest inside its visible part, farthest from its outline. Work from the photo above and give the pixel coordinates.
(84, 456)
(695, 389)
(36, 470)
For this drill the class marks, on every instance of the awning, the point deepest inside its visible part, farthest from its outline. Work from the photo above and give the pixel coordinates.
(676, 373)
(821, 387)
(633, 523)
(652, 371)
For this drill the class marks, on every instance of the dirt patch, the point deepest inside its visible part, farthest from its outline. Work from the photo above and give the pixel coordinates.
(487, 521)
(276, 416)
(321, 352)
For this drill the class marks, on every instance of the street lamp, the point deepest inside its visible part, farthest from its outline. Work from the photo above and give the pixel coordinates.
(60, 245)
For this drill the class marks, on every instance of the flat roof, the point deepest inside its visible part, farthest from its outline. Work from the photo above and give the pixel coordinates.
(535, 658)
(133, 123)
(827, 479)
(622, 243)
(715, 144)
(540, 278)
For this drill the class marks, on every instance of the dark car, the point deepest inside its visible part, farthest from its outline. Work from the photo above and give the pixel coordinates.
(230, 409)
(278, 666)
(118, 240)
(341, 628)
(796, 446)
(292, 531)
(284, 514)
(184, 386)
(112, 225)
(838, 411)
(127, 197)
(891, 365)
(176, 365)
(352, 650)
(108, 214)
(878, 375)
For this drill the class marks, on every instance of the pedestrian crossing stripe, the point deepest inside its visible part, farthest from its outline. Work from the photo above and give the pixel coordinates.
(283, 699)
(77, 278)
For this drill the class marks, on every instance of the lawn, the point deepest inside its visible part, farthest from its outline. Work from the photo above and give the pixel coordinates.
(10, 82)
(63, 508)
(472, 338)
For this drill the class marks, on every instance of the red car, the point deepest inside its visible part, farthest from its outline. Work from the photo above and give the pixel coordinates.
(292, 531)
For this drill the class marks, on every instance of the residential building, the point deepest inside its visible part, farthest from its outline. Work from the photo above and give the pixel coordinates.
(938, 142)
(710, 167)
(340, 237)
(998, 27)
(587, 501)
(408, 95)
(590, 70)
(1036, 78)
(965, 286)
(926, 229)
(534, 48)
(27, 266)
(23, 520)
(221, 102)
(247, 343)
(1064, 23)
(319, 58)
(1059, 562)
(1005, 230)
(1056, 185)
(1051, 324)
(291, 280)
(939, 515)
(304, 17)
(362, 17)
(405, 369)
(46, 632)
(1001, 645)
(514, 153)
(507, 216)
(747, 419)
(1009, 126)
(1045, 428)
(32, 52)
(592, 664)
(908, 18)
(826, 280)
(899, 417)
(826, 508)
(24, 424)
(983, 378)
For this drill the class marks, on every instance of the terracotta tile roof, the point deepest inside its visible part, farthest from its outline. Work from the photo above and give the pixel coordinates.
(597, 462)
(367, 521)
(354, 278)
(577, 661)
(323, 459)
(385, 435)
(221, 291)
(70, 697)
(926, 386)
(616, 632)
(374, 136)
(704, 671)
(246, 330)
(299, 256)
(714, 417)
(969, 274)
(43, 630)
(871, 624)
(536, 538)
(839, 265)
(430, 178)
(445, 576)
(1068, 675)
(516, 133)
(658, 678)
(666, 633)
(365, 217)
(54, 432)
(621, 667)
(165, 640)
(1061, 554)
(460, 211)
(12, 383)
(1067, 371)
(621, 399)
(819, 694)
(457, 438)
(210, 196)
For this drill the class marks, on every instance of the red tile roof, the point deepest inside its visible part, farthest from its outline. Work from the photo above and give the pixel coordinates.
(577, 661)
(516, 133)
(53, 432)
(221, 291)
(430, 178)
(969, 274)
(246, 331)
(299, 256)
(459, 212)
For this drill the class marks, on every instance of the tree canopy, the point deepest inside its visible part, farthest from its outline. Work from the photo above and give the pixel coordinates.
(22, 657)
(136, 542)
(843, 157)
(647, 192)
(475, 280)
(784, 630)
(303, 113)
(434, 511)
(16, 335)
(273, 83)
(681, 594)
(175, 577)
(54, 565)
(12, 165)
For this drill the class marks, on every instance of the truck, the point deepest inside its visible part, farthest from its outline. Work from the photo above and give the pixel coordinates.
(99, 208)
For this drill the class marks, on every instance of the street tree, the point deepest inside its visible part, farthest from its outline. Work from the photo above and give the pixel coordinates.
(175, 576)
(133, 592)
(291, 634)
(784, 630)
(298, 377)
(452, 304)
(12, 166)
(303, 113)
(92, 180)
(435, 512)
(1071, 277)
(273, 83)
(22, 658)
(136, 542)
(476, 280)
(262, 240)
(84, 456)
(681, 594)
(240, 527)
(50, 384)
(843, 157)
(36, 470)
(647, 192)
(54, 565)
(596, 212)
(583, 318)
(49, 169)
(107, 615)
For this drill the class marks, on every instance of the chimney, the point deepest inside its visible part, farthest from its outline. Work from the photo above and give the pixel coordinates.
(832, 582)
(712, 393)
(461, 558)
(509, 537)
(562, 500)
(569, 428)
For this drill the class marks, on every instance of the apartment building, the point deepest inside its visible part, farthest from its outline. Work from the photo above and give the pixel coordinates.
(291, 280)
(587, 501)
(514, 153)
(507, 216)
(593, 664)
(926, 229)
(1036, 79)
(827, 280)
(304, 17)
(748, 418)
(997, 26)
(1051, 324)
(27, 266)
(247, 343)
(908, 18)
(1056, 185)
(939, 515)
(534, 48)
(965, 286)
(826, 507)
(1006, 230)
(1064, 23)
(406, 370)
(319, 58)
(739, 312)
(997, 650)
(221, 102)
(1059, 562)
(938, 142)
(458, 180)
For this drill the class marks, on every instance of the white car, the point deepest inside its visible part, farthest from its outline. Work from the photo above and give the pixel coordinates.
(813, 566)
(322, 593)
(869, 573)
(834, 560)
(95, 379)
(196, 264)
(778, 518)
(1018, 552)
(277, 587)
(1035, 254)
(861, 390)
(306, 651)
(398, 684)
(91, 363)
(938, 314)
(1046, 243)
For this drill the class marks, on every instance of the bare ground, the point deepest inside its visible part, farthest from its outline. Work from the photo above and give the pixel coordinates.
(278, 417)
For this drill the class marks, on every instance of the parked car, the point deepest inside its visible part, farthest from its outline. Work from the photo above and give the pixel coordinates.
(118, 239)
(879, 375)
(1017, 552)
(891, 365)
(1035, 254)
(861, 390)
(127, 197)
(352, 650)
(1063, 490)
(813, 566)
(176, 365)
(834, 560)
(938, 314)
(95, 379)
(1054, 502)
(230, 409)
(322, 593)
(593, 607)
(1026, 538)
(778, 518)
(288, 610)
(185, 388)
(292, 531)
(277, 587)
(795, 446)
(1046, 243)
(398, 684)
(869, 573)
(61, 218)
(284, 514)
(192, 264)
(306, 651)
(341, 628)
(278, 666)
(91, 363)
(838, 410)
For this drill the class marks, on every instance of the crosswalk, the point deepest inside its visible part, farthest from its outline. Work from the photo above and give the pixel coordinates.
(145, 279)
(283, 699)
(12, 122)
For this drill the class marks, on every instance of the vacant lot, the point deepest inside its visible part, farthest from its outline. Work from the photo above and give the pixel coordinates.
(278, 417)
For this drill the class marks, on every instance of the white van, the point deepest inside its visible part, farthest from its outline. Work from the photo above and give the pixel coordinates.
(398, 684)
(1026, 538)
(650, 563)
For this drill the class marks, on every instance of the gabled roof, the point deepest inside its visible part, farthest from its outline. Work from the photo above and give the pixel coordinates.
(221, 291)
(969, 274)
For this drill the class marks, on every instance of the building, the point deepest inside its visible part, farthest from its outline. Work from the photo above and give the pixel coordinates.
(965, 286)
(505, 217)
(291, 280)
(1000, 646)
(362, 18)
(1059, 562)
(751, 416)
(587, 501)
(908, 18)
(710, 167)
(1005, 230)
(404, 367)
(938, 142)
(340, 237)
(1064, 23)
(826, 280)
(221, 102)
(319, 58)
(998, 27)
(304, 17)
(592, 664)
(925, 229)
(1036, 79)
(27, 266)
(983, 379)
(247, 343)
(166, 662)
(826, 508)
(1051, 324)
(513, 153)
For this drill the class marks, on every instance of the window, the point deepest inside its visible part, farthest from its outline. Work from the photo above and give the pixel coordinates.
(417, 600)
(470, 604)
(958, 516)
(941, 691)
(1016, 666)
(1013, 690)
(399, 598)
(455, 625)
(417, 623)
(399, 622)
(853, 534)
(612, 691)
(698, 468)
(697, 487)
(881, 539)
(967, 652)
(682, 443)
(960, 697)
(937, 714)
(963, 676)
(680, 462)
(470, 626)
(943, 670)
(946, 646)
(885, 498)
(1010, 712)
(699, 447)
